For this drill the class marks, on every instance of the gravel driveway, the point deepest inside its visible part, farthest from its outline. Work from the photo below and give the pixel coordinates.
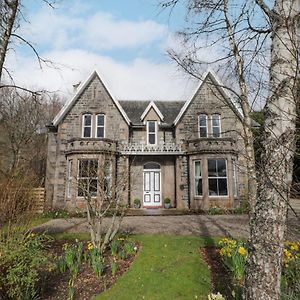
(205, 225)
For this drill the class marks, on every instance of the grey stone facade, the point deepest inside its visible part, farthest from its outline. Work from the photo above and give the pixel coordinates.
(165, 168)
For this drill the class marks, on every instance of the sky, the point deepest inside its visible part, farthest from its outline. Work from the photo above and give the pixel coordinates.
(125, 41)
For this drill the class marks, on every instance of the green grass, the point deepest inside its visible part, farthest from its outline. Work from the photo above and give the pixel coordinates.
(166, 267)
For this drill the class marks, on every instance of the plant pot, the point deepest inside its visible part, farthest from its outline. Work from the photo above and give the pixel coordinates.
(167, 205)
(136, 206)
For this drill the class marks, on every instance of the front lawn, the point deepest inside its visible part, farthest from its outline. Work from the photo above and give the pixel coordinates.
(166, 267)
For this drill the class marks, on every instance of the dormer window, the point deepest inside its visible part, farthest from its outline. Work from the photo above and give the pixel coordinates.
(100, 132)
(202, 125)
(151, 132)
(87, 125)
(216, 125)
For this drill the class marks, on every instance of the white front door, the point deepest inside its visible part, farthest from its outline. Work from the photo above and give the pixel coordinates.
(152, 189)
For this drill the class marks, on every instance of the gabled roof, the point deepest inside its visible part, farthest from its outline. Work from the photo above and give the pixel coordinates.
(221, 88)
(134, 109)
(152, 105)
(69, 104)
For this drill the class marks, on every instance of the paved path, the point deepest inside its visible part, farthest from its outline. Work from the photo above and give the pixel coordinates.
(205, 225)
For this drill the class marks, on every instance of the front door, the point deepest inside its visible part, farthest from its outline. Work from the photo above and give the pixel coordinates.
(152, 188)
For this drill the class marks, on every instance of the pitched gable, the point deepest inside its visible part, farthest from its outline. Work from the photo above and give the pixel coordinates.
(211, 79)
(152, 107)
(70, 103)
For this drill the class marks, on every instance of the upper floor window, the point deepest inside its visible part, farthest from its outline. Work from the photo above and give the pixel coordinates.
(100, 126)
(202, 125)
(151, 132)
(198, 178)
(216, 125)
(217, 177)
(87, 125)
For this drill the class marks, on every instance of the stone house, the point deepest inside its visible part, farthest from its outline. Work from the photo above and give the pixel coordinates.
(188, 151)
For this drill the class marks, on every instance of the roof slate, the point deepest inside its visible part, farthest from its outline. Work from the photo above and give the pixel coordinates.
(134, 109)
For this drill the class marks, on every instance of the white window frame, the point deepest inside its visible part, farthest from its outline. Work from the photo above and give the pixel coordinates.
(197, 178)
(235, 178)
(101, 126)
(206, 126)
(86, 178)
(148, 133)
(69, 178)
(212, 125)
(218, 177)
(89, 126)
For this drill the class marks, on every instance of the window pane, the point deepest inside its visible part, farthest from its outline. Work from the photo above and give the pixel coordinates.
(213, 187)
(215, 120)
(151, 126)
(151, 139)
(87, 120)
(202, 120)
(83, 168)
(197, 169)
(100, 132)
(221, 167)
(87, 132)
(212, 168)
(198, 186)
(222, 187)
(151, 166)
(216, 131)
(92, 187)
(203, 132)
(100, 120)
(93, 168)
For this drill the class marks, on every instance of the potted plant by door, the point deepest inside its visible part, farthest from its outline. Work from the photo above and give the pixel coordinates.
(167, 202)
(136, 203)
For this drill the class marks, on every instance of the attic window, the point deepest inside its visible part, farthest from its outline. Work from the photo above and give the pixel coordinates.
(202, 125)
(87, 125)
(100, 126)
(216, 125)
(151, 132)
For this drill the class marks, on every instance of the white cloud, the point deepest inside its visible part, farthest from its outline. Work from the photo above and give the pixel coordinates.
(137, 80)
(63, 30)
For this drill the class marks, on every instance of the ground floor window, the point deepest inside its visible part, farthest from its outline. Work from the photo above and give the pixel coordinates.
(87, 177)
(198, 178)
(217, 177)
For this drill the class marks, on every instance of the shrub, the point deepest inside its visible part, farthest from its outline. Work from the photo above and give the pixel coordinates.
(215, 210)
(23, 265)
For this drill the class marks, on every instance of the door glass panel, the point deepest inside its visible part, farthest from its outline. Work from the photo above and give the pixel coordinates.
(156, 181)
(147, 181)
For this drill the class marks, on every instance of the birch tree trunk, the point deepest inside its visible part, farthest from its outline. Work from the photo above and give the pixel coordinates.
(8, 13)
(267, 225)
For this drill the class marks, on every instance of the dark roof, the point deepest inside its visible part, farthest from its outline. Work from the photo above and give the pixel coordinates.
(134, 109)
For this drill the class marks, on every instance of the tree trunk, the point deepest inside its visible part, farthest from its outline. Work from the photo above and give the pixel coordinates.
(267, 225)
(8, 13)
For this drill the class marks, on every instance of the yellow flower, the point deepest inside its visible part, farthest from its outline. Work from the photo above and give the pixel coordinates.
(90, 246)
(242, 251)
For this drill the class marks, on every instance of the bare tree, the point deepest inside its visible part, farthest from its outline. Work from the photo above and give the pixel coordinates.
(23, 117)
(104, 196)
(260, 43)
(10, 15)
